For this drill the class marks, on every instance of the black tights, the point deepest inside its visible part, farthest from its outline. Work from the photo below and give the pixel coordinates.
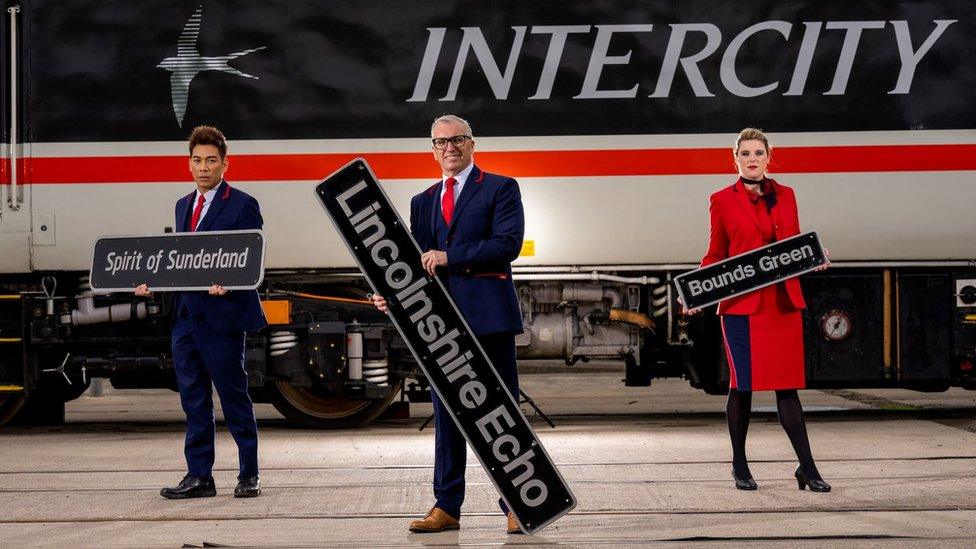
(790, 414)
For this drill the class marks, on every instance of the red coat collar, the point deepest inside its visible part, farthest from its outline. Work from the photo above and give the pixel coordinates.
(742, 196)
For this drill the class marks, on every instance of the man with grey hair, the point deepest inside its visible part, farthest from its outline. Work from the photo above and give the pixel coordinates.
(469, 225)
(453, 119)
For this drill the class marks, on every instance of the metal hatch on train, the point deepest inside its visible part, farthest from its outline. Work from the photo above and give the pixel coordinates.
(14, 184)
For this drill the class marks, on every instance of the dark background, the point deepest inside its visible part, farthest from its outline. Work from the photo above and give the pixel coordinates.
(345, 69)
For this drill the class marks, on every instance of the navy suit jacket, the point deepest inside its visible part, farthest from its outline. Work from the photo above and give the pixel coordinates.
(231, 210)
(484, 237)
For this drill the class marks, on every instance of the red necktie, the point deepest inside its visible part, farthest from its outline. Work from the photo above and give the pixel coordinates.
(196, 213)
(447, 202)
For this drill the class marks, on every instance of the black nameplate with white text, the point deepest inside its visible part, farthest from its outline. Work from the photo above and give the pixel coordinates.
(179, 261)
(751, 270)
(445, 347)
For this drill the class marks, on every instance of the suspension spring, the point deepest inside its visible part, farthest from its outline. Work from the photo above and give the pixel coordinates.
(282, 341)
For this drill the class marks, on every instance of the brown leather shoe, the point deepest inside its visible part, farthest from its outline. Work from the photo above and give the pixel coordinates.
(513, 527)
(435, 521)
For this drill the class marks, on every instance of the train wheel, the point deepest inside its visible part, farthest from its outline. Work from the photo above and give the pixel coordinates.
(320, 408)
(10, 404)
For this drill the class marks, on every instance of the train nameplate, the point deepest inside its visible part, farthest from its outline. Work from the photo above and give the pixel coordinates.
(751, 270)
(179, 261)
(445, 347)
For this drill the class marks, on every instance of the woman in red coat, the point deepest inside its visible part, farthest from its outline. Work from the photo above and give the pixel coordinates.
(763, 330)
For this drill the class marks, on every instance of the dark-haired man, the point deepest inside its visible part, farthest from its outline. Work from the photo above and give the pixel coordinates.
(208, 329)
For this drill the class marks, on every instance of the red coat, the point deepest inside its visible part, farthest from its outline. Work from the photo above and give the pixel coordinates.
(735, 229)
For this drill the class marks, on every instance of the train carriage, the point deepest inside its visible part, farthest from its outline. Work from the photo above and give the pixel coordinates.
(617, 118)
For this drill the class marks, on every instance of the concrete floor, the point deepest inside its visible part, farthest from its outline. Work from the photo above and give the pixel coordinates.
(649, 466)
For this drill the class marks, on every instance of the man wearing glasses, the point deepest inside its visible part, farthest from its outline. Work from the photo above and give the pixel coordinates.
(469, 226)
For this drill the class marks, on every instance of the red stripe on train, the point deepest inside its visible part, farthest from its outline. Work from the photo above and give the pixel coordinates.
(586, 163)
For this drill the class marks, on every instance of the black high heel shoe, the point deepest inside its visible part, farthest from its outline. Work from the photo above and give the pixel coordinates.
(802, 482)
(743, 483)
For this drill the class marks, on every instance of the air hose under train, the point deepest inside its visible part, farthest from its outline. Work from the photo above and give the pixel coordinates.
(317, 297)
(632, 317)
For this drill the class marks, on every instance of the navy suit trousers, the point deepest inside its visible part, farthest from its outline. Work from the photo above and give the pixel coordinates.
(205, 359)
(450, 448)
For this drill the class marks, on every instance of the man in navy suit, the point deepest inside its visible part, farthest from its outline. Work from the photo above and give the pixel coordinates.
(469, 226)
(208, 330)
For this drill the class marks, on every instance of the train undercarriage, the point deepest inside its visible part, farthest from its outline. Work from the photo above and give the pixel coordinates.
(329, 360)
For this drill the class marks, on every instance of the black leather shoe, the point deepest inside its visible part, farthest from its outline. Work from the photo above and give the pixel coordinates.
(815, 485)
(248, 487)
(191, 487)
(744, 483)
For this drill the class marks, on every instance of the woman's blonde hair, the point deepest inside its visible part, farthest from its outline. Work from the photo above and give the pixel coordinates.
(752, 133)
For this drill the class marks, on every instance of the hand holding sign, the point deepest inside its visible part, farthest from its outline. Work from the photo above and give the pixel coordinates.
(685, 310)
(380, 303)
(142, 290)
(826, 263)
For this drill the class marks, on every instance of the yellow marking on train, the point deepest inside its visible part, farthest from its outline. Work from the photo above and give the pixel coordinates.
(10, 296)
(11, 389)
(528, 248)
(10, 340)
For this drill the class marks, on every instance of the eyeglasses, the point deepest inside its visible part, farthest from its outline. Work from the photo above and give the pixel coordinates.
(458, 141)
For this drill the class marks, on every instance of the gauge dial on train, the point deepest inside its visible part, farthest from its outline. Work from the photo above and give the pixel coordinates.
(836, 325)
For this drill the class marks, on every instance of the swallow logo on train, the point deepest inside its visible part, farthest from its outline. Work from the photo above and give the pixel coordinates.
(188, 63)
